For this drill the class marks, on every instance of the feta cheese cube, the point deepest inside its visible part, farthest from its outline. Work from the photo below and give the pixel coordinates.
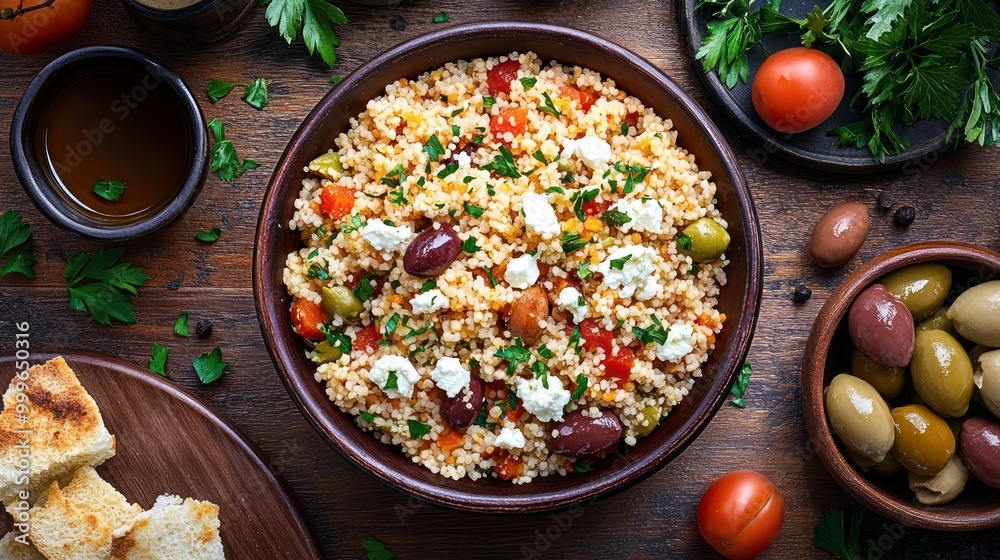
(678, 343)
(539, 216)
(521, 272)
(398, 367)
(571, 300)
(593, 151)
(429, 302)
(632, 271)
(451, 376)
(644, 215)
(384, 237)
(545, 404)
(510, 438)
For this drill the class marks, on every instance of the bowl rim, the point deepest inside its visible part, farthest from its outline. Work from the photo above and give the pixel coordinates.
(618, 479)
(814, 370)
(42, 193)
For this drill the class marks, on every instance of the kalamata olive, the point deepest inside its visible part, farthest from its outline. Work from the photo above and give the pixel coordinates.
(980, 443)
(460, 411)
(921, 287)
(976, 314)
(942, 373)
(987, 379)
(432, 252)
(938, 321)
(943, 487)
(859, 417)
(839, 234)
(526, 313)
(580, 436)
(888, 381)
(924, 443)
(882, 327)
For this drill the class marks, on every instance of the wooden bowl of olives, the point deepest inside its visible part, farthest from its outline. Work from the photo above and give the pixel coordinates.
(901, 386)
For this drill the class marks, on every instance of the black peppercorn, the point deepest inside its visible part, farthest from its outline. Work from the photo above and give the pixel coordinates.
(802, 294)
(398, 23)
(905, 215)
(204, 328)
(885, 200)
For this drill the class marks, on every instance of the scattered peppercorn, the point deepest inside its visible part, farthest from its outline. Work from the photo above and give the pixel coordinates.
(802, 294)
(905, 215)
(398, 23)
(885, 200)
(203, 328)
(173, 285)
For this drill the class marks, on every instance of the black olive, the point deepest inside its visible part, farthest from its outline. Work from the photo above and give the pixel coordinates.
(203, 328)
(885, 200)
(398, 23)
(802, 294)
(905, 215)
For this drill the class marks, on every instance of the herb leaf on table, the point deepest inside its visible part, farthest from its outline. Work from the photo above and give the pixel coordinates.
(376, 550)
(158, 364)
(102, 286)
(314, 18)
(224, 158)
(218, 89)
(831, 534)
(255, 94)
(209, 366)
(13, 232)
(181, 325)
(740, 387)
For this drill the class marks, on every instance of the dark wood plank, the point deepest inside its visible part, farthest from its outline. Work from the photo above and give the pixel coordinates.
(956, 198)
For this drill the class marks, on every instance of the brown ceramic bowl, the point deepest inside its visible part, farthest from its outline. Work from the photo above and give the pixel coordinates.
(739, 300)
(828, 354)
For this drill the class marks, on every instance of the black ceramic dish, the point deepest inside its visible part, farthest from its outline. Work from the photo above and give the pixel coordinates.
(49, 199)
(203, 22)
(813, 148)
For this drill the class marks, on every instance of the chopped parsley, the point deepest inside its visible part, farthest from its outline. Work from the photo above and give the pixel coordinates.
(582, 467)
(14, 233)
(470, 245)
(685, 242)
(541, 371)
(443, 17)
(515, 355)
(356, 222)
(634, 174)
(158, 364)
(456, 113)
(364, 290)
(414, 333)
(615, 218)
(434, 148)
(624, 129)
(209, 366)
(376, 550)
(391, 381)
(336, 79)
(447, 170)
(503, 164)
(394, 177)
(255, 94)
(583, 270)
(455, 130)
(336, 339)
(528, 83)
(473, 210)
(398, 197)
(109, 190)
(390, 327)
(544, 352)
(208, 236)
(583, 197)
(224, 158)
(552, 190)
(418, 429)
(489, 274)
(181, 325)
(574, 339)
(655, 333)
(571, 242)
(550, 107)
(619, 264)
(111, 285)
(538, 155)
(428, 286)
(314, 19)
(581, 388)
(367, 416)
(488, 101)
(740, 387)
(217, 89)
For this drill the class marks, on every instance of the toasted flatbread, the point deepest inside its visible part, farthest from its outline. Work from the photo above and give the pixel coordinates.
(77, 522)
(60, 431)
(171, 530)
(11, 549)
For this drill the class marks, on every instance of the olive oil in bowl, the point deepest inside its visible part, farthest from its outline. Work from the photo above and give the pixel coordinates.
(115, 123)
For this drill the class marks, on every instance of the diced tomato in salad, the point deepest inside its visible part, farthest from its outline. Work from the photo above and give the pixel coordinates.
(499, 77)
(594, 337)
(632, 119)
(511, 119)
(596, 207)
(508, 466)
(307, 317)
(336, 201)
(584, 98)
(619, 365)
(367, 339)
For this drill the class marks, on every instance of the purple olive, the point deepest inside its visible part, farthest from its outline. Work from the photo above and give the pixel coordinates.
(580, 436)
(460, 411)
(882, 327)
(979, 443)
(432, 252)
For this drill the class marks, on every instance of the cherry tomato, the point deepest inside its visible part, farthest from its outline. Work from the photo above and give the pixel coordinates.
(512, 119)
(595, 207)
(797, 89)
(741, 514)
(307, 318)
(595, 337)
(336, 201)
(585, 99)
(36, 29)
(367, 339)
(499, 77)
(619, 365)
(508, 466)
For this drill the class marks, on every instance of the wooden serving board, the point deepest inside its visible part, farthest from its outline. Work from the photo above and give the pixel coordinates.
(171, 442)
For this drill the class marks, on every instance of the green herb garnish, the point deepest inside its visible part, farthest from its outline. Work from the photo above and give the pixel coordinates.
(14, 233)
(209, 236)
(474, 211)
(541, 371)
(109, 190)
(255, 94)
(336, 339)
(583, 270)
(615, 218)
(634, 174)
(583, 197)
(528, 83)
(489, 274)
(581, 387)
(158, 364)
(376, 550)
(515, 355)
(540, 157)
(391, 381)
(443, 17)
(394, 177)
(685, 242)
(619, 264)
(428, 286)
(740, 387)
(655, 333)
(314, 18)
(364, 290)
(181, 325)
(488, 102)
(571, 242)
(550, 107)
(368, 417)
(470, 245)
(418, 429)
(218, 89)
(503, 164)
(209, 366)
(434, 148)
(103, 286)
(224, 158)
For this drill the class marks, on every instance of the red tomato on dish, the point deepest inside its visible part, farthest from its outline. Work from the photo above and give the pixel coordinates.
(797, 89)
(367, 339)
(619, 365)
(508, 466)
(584, 99)
(512, 119)
(336, 201)
(37, 30)
(307, 318)
(741, 514)
(595, 207)
(499, 77)
(595, 337)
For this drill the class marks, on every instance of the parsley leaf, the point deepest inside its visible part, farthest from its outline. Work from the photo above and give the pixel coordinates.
(740, 387)
(475, 211)
(158, 364)
(314, 18)
(390, 327)
(181, 325)
(376, 550)
(550, 107)
(685, 242)
(441, 18)
(418, 429)
(111, 285)
(528, 83)
(615, 218)
(255, 94)
(364, 290)
(619, 264)
(471, 245)
(367, 416)
(581, 387)
(515, 355)
(218, 89)
(654, 333)
(582, 467)
(434, 148)
(428, 286)
(12, 234)
(571, 242)
(489, 274)
(503, 164)
(831, 534)
(391, 381)
(541, 371)
(209, 236)
(336, 339)
(224, 158)
(209, 366)
(109, 190)
(583, 270)
(488, 102)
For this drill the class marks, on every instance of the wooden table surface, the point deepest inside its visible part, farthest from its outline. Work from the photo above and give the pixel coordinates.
(956, 197)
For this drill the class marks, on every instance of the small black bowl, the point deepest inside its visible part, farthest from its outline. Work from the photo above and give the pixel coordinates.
(50, 199)
(205, 21)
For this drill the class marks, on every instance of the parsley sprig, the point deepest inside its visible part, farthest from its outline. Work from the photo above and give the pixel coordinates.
(14, 233)
(740, 387)
(844, 541)
(103, 286)
(314, 18)
(209, 366)
(224, 158)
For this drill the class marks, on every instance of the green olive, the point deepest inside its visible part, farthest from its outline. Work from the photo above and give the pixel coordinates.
(924, 443)
(341, 301)
(942, 373)
(708, 240)
(976, 314)
(859, 417)
(943, 487)
(921, 287)
(938, 321)
(987, 378)
(323, 353)
(328, 165)
(650, 419)
(888, 381)
(888, 468)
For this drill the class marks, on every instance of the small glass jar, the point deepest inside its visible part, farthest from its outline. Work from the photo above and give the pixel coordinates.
(191, 21)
